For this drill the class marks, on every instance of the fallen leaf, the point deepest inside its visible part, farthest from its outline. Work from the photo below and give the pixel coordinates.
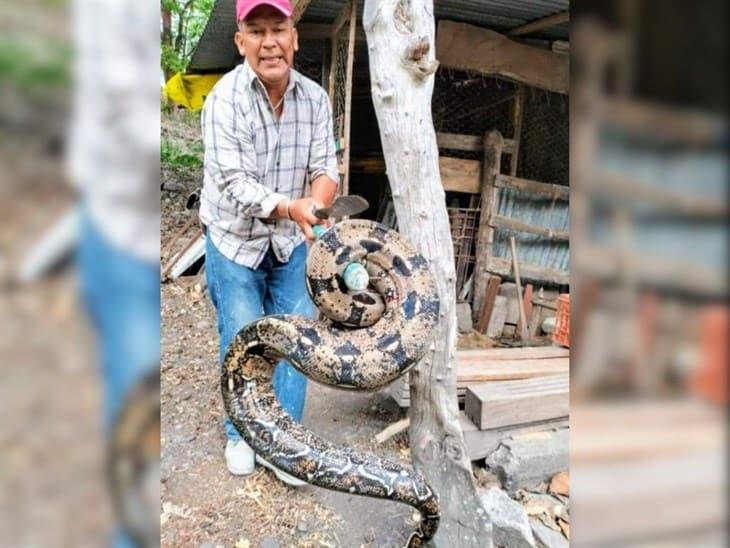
(560, 484)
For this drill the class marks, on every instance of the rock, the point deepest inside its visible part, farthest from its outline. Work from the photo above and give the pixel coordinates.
(509, 291)
(202, 324)
(548, 325)
(509, 521)
(302, 527)
(559, 485)
(526, 461)
(206, 545)
(546, 537)
(463, 317)
(270, 542)
(498, 317)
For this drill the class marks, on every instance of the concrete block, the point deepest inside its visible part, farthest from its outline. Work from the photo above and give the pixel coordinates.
(528, 460)
(509, 290)
(499, 315)
(463, 317)
(510, 525)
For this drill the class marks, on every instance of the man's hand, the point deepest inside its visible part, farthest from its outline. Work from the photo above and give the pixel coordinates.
(302, 212)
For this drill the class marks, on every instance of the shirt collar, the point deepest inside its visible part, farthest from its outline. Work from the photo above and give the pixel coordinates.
(250, 77)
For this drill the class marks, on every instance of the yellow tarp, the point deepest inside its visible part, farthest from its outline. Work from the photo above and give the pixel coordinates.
(190, 90)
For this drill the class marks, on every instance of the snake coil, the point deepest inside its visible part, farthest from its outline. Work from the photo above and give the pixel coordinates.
(368, 339)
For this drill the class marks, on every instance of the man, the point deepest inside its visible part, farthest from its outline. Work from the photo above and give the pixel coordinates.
(267, 130)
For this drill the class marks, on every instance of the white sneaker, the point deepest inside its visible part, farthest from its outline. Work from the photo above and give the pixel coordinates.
(283, 476)
(239, 458)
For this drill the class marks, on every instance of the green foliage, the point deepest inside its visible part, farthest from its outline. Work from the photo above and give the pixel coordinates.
(177, 155)
(32, 66)
(188, 19)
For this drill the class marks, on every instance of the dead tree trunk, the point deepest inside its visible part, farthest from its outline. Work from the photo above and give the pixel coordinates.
(400, 37)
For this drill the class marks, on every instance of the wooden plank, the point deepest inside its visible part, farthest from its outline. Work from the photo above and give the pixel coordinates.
(508, 370)
(501, 221)
(623, 188)
(460, 175)
(498, 404)
(541, 24)
(684, 126)
(533, 187)
(493, 143)
(521, 353)
(503, 267)
(479, 443)
(323, 31)
(298, 11)
(486, 312)
(468, 47)
(468, 143)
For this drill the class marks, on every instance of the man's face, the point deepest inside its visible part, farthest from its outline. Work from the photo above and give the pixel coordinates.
(268, 40)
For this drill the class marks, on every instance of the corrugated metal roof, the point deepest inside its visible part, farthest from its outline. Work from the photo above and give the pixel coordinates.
(216, 51)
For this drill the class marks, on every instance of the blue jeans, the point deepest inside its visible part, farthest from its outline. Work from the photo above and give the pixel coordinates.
(122, 298)
(242, 295)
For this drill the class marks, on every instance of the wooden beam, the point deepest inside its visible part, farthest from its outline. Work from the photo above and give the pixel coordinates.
(508, 403)
(541, 24)
(684, 126)
(485, 314)
(299, 7)
(468, 143)
(533, 187)
(460, 175)
(518, 108)
(467, 47)
(624, 188)
(323, 31)
(492, 161)
(503, 267)
(352, 20)
(501, 221)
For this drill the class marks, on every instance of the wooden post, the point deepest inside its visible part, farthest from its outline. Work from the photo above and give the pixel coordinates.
(524, 335)
(486, 312)
(493, 143)
(345, 190)
(400, 36)
(518, 108)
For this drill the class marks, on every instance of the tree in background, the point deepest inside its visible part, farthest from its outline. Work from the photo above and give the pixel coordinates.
(182, 24)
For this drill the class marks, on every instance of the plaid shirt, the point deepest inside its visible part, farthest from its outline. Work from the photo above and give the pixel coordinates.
(253, 161)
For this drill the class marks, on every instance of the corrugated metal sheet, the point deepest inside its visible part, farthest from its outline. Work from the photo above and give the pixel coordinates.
(533, 249)
(216, 51)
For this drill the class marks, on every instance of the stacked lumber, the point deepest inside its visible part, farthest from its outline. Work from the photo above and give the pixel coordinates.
(508, 403)
(475, 367)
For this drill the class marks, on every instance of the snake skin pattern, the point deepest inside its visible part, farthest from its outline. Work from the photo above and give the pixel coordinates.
(367, 340)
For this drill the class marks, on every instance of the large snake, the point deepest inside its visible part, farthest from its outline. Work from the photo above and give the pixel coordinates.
(367, 340)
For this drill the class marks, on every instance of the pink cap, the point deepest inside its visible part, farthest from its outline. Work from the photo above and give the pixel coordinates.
(244, 7)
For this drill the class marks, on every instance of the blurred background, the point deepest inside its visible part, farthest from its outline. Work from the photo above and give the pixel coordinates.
(79, 272)
(649, 316)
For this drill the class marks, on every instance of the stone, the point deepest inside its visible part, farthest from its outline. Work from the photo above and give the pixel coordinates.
(463, 317)
(270, 542)
(528, 460)
(202, 324)
(498, 317)
(206, 545)
(302, 527)
(510, 525)
(509, 291)
(546, 537)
